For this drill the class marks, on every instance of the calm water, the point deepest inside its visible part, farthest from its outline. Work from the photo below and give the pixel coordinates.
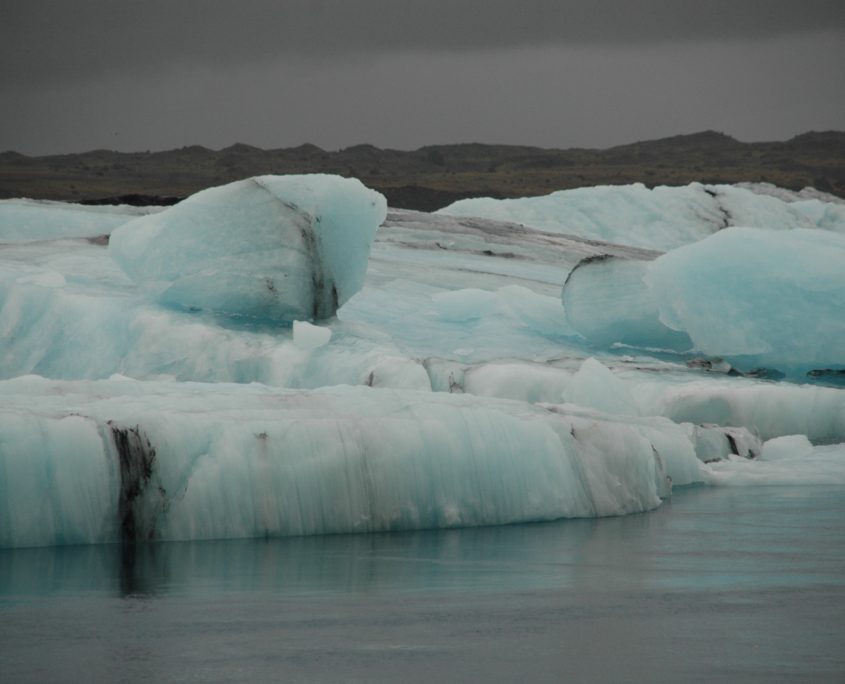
(718, 585)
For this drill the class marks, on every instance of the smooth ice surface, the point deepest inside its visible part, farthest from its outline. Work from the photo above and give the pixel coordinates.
(661, 218)
(24, 219)
(758, 297)
(272, 248)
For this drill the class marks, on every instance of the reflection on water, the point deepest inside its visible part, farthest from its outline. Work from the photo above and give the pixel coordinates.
(703, 538)
(739, 585)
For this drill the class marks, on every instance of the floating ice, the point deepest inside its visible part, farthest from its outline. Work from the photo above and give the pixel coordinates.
(758, 298)
(788, 446)
(661, 218)
(116, 459)
(594, 385)
(272, 248)
(607, 301)
(822, 465)
(487, 405)
(24, 219)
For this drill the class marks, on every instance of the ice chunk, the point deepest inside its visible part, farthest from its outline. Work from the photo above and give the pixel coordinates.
(822, 465)
(662, 218)
(786, 447)
(105, 460)
(274, 248)
(606, 300)
(25, 219)
(308, 336)
(595, 386)
(758, 298)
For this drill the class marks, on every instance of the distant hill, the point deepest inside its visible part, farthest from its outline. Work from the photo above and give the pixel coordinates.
(435, 175)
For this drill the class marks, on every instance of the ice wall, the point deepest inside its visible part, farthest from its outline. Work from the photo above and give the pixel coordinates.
(124, 459)
(271, 248)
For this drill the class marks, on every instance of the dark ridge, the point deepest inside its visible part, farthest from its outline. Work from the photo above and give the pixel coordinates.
(134, 200)
(819, 138)
(300, 151)
(434, 176)
(11, 155)
(242, 148)
(426, 199)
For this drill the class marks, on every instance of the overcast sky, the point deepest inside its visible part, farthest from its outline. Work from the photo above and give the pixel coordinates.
(156, 74)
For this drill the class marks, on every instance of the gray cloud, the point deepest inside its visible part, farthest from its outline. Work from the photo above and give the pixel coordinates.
(155, 75)
(43, 41)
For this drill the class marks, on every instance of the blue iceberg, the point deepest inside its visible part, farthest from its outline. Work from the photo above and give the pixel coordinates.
(756, 298)
(274, 248)
(408, 370)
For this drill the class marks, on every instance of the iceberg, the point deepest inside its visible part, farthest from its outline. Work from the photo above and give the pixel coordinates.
(150, 389)
(101, 461)
(756, 298)
(271, 248)
(607, 300)
(661, 218)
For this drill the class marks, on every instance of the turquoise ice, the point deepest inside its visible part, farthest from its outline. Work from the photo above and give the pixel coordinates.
(151, 389)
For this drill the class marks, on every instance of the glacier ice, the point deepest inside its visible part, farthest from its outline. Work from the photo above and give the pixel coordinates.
(120, 458)
(661, 218)
(27, 220)
(822, 465)
(451, 388)
(788, 446)
(758, 297)
(754, 297)
(308, 336)
(595, 386)
(607, 300)
(272, 248)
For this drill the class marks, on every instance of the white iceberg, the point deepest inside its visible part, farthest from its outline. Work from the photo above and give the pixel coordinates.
(118, 459)
(272, 248)
(661, 218)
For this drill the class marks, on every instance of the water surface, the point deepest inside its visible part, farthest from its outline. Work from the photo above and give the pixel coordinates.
(732, 585)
